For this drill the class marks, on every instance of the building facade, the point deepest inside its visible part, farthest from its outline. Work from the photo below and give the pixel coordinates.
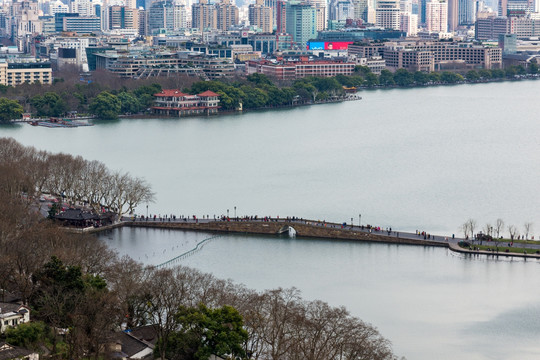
(437, 16)
(261, 16)
(176, 103)
(387, 14)
(301, 22)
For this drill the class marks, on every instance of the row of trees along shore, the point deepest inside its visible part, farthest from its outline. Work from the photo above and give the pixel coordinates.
(107, 97)
(470, 228)
(76, 283)
(25, 170)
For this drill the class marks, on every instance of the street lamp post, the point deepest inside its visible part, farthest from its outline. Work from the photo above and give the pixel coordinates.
(359, 219)
(227, 212)
(235, 211)
(352, 223)
(146, 210)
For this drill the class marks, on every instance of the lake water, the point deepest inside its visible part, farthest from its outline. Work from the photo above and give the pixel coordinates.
(410, 159)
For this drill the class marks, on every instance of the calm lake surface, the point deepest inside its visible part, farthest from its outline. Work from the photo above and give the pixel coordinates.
(424, 159)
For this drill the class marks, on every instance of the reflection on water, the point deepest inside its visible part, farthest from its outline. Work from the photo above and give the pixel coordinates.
(430, 302)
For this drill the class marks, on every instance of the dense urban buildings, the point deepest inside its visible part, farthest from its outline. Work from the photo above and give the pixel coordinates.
(216, 38)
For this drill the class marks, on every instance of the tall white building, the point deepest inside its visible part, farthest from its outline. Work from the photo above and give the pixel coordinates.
(57, 6)
(408, 23)
(437, 16)
(387, 14)
(83, 7)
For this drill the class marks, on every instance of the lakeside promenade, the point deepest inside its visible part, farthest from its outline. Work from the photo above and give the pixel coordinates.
(321, 229)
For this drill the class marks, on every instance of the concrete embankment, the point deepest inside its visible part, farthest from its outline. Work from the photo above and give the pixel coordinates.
(455, 247)
(304, 229)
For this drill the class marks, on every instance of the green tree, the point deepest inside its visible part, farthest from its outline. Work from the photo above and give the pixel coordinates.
(450, 77)
(50, 104)
(10, 109)
(386, 78)
(472, 75)
(145, 94)
(533, 67)
(520, 70)
(485, 73)
(435, 77)
(345, 80)
(364, 70)
(129, 103)
(371, 79)
(497, 73)
(259, 79)
(403, 77)
(204, 332)
(510, 72)
(106, 106)
(254, 97)
(421, 78)
(28, 335)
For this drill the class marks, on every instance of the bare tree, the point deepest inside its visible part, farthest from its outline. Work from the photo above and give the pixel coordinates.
(472, 226)
(513, 231)
(488, 229)
(499, 226)
(465, 229)
(528, 229)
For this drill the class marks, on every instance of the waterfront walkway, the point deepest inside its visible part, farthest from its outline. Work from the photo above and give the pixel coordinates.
(321, 229)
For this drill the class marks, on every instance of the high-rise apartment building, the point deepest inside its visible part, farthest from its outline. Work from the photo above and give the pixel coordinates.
(203, 15)
(227, 15)
(453, 14)
(408, 23)
(82, 7)
(387, 14)
(301, 22)
(57, 7)
(361, 10)
(321, 13)
(281, 17)
(437, 16)
(166, 15)
(122, 17)
(261, 16)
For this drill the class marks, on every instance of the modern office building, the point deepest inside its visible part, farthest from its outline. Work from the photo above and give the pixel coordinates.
(411, 59)
(466, 15)
(59, 20)
(508, 43)
(82, 25)
(453, 14)
(301, 22)
(490, 28)
(16, 73)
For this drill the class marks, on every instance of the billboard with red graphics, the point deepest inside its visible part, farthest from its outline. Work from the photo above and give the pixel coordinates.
(329, 45)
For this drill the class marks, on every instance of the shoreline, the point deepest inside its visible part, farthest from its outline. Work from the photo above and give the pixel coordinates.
(308, 229)
(291, 106)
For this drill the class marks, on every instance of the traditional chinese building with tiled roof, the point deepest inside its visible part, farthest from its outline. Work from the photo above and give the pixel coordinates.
(173, 102)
